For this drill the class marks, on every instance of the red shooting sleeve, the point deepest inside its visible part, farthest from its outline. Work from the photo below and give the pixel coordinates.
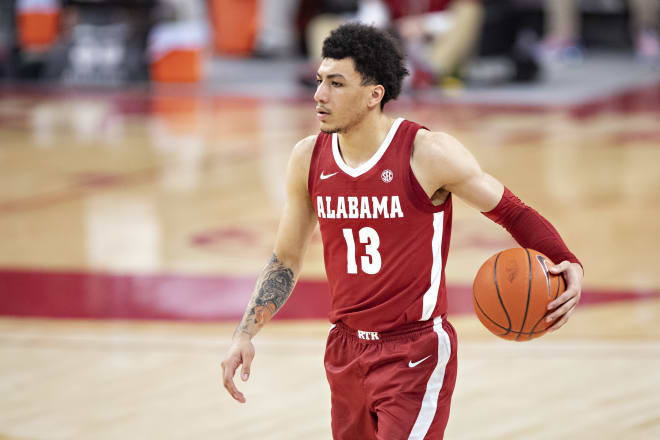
(529, 228)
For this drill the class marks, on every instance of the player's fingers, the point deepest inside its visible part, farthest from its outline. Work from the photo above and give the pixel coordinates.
(563, 310)
(247, 363)
(228, 370)
(561, 267)
(573, 289)
(557, 325)
(233, 391)
(227, 376)
(562, 321)
(570, 293)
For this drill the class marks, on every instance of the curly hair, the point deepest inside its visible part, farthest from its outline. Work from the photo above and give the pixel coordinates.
(376, 55)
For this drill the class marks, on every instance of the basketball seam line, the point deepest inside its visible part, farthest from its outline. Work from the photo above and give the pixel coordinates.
(538, 258)
(489, 318)
(529, 291)
(502, 327)
(537, 323)
(545, 314)
(497, 289)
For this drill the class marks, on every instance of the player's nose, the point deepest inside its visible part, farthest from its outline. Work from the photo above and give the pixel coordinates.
(321, 94)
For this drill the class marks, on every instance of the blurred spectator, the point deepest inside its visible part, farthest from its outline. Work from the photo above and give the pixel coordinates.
(506, 50)
(335, 12)
(329, 14)
(276, 36)
(439, 35)
(6, 34)
(562, 40)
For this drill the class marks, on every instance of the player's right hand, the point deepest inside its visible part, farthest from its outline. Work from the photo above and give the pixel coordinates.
(240, 352)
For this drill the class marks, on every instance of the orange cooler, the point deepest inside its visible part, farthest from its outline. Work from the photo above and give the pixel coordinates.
(176, 52)
(37, 22)
(234, 25)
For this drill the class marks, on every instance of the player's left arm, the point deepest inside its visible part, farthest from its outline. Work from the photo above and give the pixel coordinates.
(440, 161)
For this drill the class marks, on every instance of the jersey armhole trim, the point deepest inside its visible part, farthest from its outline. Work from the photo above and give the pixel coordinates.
(313, 164)
(415, 190)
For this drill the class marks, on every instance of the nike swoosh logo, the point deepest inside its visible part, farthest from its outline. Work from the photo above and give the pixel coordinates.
(327, 176)
(412, 364)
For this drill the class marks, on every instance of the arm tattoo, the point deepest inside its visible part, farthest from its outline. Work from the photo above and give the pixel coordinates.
(273, 289)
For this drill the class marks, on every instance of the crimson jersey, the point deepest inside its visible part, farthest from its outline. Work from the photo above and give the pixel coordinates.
(385, 244)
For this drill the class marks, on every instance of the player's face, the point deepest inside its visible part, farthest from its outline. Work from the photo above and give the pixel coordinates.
(341, 99)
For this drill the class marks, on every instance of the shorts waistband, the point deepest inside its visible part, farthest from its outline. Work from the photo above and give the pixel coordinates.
(401, 332)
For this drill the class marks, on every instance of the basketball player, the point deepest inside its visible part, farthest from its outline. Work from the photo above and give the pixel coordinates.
(381, 190)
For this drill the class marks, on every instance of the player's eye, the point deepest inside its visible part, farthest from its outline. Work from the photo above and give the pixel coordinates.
(336, 84)
(318, 81)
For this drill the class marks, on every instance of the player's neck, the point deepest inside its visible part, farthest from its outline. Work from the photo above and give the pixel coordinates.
(361, 141)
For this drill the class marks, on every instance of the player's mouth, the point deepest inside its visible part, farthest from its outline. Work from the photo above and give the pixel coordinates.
(321, 113)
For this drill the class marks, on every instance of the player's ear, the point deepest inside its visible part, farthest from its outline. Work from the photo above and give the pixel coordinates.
(377, 95)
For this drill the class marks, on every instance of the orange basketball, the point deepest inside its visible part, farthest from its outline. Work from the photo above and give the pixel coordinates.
(511, 293)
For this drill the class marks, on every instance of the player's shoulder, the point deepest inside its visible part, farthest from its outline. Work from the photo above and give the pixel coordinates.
(301, 158)
(438, 146)
(304, 148)
(441, 159)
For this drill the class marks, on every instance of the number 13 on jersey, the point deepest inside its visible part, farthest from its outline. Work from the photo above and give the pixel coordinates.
(371, 262)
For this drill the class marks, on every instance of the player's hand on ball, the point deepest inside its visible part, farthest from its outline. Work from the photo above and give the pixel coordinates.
(240, 352)
(564, 306)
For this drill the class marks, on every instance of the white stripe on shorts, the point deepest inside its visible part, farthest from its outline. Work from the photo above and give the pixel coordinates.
(434, 385)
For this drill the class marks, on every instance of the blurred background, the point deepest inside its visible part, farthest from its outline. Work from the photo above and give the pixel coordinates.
(142, 150)
(450, 43)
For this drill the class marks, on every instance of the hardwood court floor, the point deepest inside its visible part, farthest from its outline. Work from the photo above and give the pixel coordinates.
(118, 380)
(141, 184)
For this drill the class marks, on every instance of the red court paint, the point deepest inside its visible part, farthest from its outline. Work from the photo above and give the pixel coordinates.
(91, 295)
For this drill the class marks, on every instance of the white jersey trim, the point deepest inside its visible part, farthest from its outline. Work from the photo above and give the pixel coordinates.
(433, 386)
(373, 160)
(431, 296)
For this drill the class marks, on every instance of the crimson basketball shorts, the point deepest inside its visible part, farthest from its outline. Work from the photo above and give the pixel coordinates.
(394, 385)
